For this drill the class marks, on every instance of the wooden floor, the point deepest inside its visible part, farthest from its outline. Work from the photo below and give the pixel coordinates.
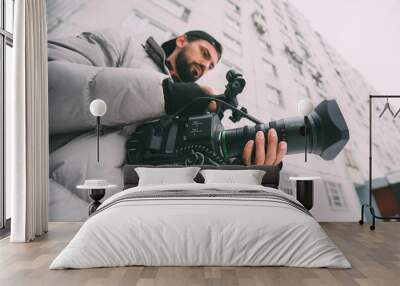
(374, 255)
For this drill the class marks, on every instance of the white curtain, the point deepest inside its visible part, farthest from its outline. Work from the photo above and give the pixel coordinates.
(27, 144)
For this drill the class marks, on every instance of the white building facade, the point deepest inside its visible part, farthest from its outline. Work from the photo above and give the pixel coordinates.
(282, 59)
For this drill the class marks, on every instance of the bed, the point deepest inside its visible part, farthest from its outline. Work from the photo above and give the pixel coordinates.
(201, 224)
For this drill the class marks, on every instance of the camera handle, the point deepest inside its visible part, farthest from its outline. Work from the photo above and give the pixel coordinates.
(168, 119)
(233, 88)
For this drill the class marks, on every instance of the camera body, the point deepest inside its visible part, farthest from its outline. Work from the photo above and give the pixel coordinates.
(189, 140)
(185, 141)
(194, 139)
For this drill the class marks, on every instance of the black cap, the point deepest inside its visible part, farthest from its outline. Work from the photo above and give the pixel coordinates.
(169, 46)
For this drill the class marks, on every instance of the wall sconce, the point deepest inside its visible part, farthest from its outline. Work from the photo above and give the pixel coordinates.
(98, 108)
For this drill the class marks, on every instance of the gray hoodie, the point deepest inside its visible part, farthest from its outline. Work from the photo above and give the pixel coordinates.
(113, 66)
(110, 65)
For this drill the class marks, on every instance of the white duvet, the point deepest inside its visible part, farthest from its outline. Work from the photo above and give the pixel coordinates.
(183, 231)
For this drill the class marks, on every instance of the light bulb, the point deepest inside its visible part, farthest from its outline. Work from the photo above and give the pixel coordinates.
(98, 107)
(305, 107)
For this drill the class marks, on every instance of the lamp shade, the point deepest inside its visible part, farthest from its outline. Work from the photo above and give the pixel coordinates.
(305, 107)
(98, 107)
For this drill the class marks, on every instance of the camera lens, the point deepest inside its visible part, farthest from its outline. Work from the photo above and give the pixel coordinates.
(327, 133)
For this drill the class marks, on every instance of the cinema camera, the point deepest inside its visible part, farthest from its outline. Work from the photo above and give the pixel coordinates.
(199, 139)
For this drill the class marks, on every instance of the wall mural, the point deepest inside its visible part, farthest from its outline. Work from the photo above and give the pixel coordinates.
(149, 111)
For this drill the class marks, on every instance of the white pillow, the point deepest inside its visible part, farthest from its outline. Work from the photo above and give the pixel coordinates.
(162, 176)
(248, 177)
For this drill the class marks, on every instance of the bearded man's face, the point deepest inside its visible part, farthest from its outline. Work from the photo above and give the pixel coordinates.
(195, 59)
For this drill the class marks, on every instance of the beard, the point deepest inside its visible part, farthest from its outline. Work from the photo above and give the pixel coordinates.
(184, 67)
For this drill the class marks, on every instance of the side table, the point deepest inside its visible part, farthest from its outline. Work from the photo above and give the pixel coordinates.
(97, 190)
(305, 190)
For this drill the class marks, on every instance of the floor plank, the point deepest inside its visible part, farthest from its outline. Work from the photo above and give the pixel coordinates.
(374, 255)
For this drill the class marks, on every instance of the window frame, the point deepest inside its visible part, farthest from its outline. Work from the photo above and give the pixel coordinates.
(231, 65)
(233, 23)
(6, 39)
(186, 11)
(303, 87)
(232, 39)
(260, 23)
(148, 22)
(233, 6)
(334, 193)
(259, 4)
(276, 5)
(349, 158)
(271, 67)
(265, 45)
(295, 61)
(278, 94)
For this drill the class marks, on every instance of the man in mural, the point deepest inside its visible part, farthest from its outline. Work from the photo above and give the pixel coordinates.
(138, 83)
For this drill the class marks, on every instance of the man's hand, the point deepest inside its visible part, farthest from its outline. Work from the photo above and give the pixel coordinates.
(212, 106)
(272, 155)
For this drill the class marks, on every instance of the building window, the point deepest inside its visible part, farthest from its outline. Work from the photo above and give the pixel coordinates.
(175, 8)
(274, 95)
(233, 6)
(294, 60)
(378, 149)
(364, 124)
(58, 14)
(226, 66)
(306, 53)
(286, 185)
(6, 60)
(281, 20)
(259, 5)
(300, 36)
(389, 156)
(351, 97)
(340, 76)
(349, 159)
(278, 12)
(359, 112)
(293, 22)
(231, 21)
(335, 196)
(265, 44)
(303, 90)
(269, 69)
(144, 26)
(259, 22)
(276, 5)
(219, 74)
(323, 96)
(232, 43)
(317, 78)
(286, 38)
